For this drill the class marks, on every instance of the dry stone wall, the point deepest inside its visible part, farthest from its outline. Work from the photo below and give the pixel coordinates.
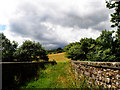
(106, 74)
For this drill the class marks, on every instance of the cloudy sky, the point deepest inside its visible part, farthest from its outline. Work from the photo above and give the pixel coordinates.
(53, 23)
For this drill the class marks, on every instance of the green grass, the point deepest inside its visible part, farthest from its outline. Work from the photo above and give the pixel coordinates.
(56, 76)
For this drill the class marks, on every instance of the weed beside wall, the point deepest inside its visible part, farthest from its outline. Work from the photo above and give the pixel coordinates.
(105, 74)
(17, 74)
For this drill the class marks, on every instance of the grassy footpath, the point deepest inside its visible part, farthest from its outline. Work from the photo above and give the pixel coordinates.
(56, 76)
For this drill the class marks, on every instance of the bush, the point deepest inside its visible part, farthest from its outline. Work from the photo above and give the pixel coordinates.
(79, 50)
(30, 51)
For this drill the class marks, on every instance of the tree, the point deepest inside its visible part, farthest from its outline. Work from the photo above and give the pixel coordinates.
(79, 50)
(75, 53)
(116, 23)
(59, 50)
(86, 44)
(105, 49)
(8, 49)
(105, 39)
(66, 48)
(101, 49)
(30, 51)
(116, 15)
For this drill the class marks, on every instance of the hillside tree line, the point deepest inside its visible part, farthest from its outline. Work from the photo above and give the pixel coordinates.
(28, 51)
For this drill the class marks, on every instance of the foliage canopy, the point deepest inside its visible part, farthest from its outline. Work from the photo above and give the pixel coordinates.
(101, 49)
(30, 51)
(8, 48)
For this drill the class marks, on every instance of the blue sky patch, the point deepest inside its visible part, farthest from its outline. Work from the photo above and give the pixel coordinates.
(2, 27)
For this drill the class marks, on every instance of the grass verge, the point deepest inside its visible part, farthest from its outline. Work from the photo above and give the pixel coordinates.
(57, 76)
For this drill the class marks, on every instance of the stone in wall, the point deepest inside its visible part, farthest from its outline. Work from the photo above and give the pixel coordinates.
(99, 73)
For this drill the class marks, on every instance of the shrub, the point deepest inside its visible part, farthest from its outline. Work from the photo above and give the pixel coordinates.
(30, 51)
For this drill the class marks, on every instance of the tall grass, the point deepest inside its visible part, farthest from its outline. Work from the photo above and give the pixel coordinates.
(57, 76)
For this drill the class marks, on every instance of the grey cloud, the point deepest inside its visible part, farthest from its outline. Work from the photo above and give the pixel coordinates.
(102, 26)
(29, 24)
(38, 32)
(55, 45)
(72, 19)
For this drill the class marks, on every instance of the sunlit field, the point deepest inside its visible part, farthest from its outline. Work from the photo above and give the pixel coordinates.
(60, 57)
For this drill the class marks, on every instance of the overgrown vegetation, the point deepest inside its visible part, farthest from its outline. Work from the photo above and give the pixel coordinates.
(57, 76)
(17, 74)
(60, 75)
